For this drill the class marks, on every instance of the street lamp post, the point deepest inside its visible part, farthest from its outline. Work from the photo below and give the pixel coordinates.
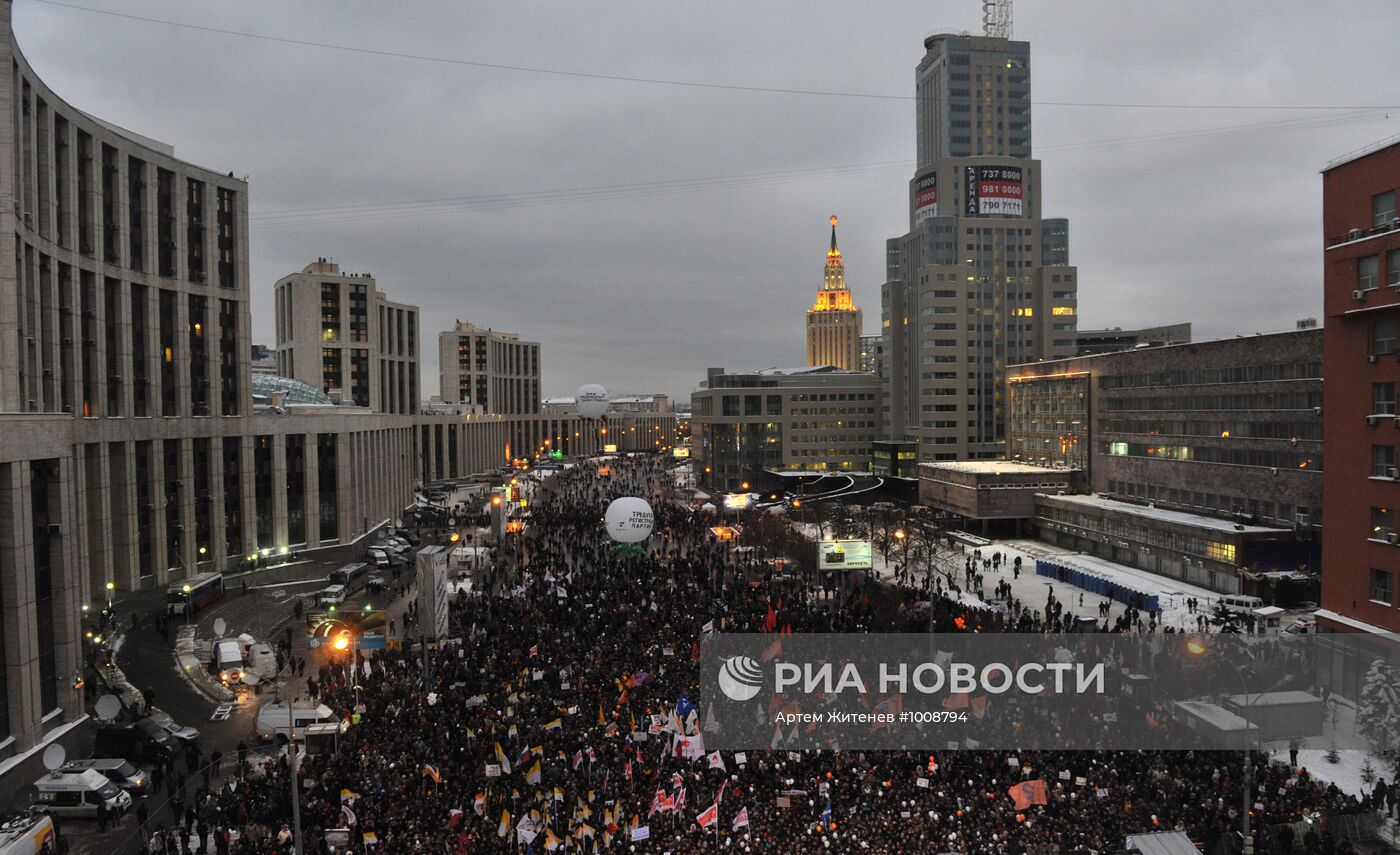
(188, 609)
(111, 586)
(1196, 647)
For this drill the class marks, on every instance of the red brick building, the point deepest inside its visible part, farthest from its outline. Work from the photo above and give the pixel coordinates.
(1361, 483)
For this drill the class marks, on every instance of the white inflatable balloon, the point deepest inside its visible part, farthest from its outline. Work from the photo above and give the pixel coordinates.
(629, 520)
(592, 400)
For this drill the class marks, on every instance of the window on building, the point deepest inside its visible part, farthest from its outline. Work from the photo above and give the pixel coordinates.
(1383, 399)
(1368, 272)
(1383, 336)
(1392, 268)
(1382, 522)
(1381, 589)
(1382, 461)
(1383, 208)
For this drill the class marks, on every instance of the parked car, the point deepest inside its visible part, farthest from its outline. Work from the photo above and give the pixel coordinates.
(135, 742)
(121, 772)
(183, 733)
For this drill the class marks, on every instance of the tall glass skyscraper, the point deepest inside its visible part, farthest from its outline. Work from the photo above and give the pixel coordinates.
(981, 281)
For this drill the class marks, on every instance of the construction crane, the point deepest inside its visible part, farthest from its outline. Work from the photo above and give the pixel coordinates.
(996, 18)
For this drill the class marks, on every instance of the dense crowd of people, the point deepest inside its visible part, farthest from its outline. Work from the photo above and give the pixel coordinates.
(522, 734)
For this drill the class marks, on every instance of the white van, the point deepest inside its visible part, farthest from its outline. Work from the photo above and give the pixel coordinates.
(121, 772)
(378, 557)
(332, 595)
(79, 794)
(228, 658)
(29, 834)
(273, 721)
(1241, 604)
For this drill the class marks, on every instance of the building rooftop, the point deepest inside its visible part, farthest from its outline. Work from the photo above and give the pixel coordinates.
(1164, 515)
(993, 467)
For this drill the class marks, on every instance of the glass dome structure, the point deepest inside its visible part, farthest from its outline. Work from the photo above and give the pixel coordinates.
(264, 385)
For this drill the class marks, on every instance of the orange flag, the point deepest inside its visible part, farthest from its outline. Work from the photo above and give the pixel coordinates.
(1028, 793)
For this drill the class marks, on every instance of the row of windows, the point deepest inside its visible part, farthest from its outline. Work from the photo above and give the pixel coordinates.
(1142, 532)
(1281, 513)
(1204, 376)
(1206, 454)
(1292, 431)
(1368, 271)
(1243, 401)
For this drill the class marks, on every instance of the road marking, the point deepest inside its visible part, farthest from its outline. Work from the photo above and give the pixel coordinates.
(222, 712)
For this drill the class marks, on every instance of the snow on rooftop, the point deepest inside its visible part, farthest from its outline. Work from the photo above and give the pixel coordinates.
(1164, 515)
(993, 467)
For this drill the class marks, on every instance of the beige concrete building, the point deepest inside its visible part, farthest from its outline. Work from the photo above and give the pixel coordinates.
(138, 447)
(982, 280)
(818, 419)
(338, 332)
(490, 368)
(834, 322)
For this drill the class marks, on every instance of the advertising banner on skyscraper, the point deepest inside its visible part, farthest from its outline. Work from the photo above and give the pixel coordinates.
(925, 197)
(993, 191)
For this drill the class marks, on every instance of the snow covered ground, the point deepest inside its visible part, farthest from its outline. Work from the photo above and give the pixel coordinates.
(1345, 773)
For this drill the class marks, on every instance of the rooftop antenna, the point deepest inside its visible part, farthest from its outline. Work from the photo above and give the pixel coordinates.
(996, 18)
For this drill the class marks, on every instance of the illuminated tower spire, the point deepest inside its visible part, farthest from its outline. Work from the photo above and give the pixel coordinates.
(835, 279)
(834, 322)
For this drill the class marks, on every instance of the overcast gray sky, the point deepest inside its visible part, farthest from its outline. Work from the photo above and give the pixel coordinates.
(1203, 215)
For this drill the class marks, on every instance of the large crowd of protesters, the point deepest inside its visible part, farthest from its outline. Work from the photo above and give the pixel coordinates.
(519, 735)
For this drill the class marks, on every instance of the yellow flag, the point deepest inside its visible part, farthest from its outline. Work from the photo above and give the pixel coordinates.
(533, 775)
(504, 828)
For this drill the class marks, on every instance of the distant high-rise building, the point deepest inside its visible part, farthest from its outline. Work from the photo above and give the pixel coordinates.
(489, 368)
(834, 322)
(981, 281)
(872, 353)
(339, 333)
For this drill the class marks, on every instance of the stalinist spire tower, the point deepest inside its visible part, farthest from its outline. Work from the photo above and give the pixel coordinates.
(833, 322)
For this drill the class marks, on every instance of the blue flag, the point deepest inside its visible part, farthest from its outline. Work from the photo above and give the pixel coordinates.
(826, 814)
(684, 707)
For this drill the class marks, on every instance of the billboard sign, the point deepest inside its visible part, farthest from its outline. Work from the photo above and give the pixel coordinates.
(993, 191)
(610, 448)
(736, 501)
(925, 197)
(433, 591)
(843, 555)
(680, 452)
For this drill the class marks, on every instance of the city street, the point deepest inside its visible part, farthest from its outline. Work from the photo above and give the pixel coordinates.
(265, 612)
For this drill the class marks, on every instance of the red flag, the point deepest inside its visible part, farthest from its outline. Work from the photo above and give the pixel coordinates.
(787, 629)
(709, 817)
(694, 651)
(1028, 793)
(454, 817)
(771, 621)
(742, 819)
(774, 649)
(660, 803)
